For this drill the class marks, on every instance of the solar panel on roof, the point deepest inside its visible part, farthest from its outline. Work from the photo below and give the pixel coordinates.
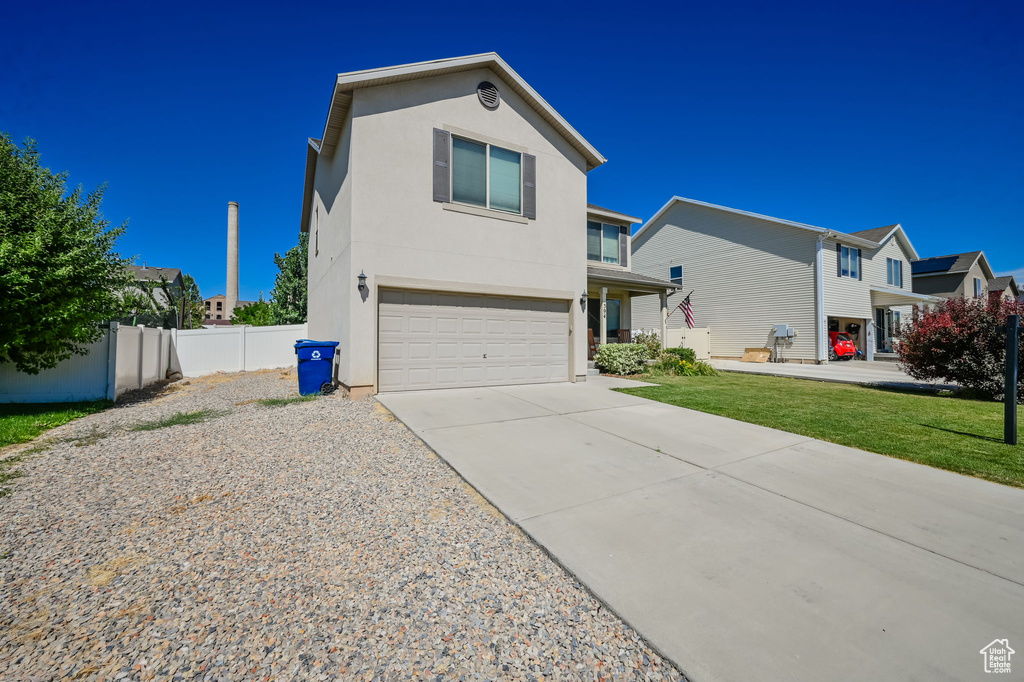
(922, 267)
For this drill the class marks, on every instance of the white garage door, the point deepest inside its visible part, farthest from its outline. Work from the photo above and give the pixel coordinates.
(448, 340)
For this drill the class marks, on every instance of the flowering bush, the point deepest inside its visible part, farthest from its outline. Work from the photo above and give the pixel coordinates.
(649, 340)
(958, 342)
(675, 364)
(621, 358)
(687, 354)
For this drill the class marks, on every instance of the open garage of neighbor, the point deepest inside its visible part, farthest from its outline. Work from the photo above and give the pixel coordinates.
(433, 339)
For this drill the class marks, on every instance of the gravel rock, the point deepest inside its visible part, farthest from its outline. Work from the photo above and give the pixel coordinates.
(319, 540)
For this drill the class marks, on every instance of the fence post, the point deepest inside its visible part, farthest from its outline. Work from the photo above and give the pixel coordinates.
(241, 349)
(112, 362)
(1010, 399)
(142, 356)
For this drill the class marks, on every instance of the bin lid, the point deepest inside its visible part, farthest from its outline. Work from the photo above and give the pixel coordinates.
(309, 343)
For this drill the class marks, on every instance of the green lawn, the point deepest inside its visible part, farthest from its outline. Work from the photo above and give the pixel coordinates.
(21, 422)
(945, 432)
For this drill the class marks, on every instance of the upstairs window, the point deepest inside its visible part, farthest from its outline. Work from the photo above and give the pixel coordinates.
(894, 272)
(604, 242)
(487, 176)
(220, 305)
(849, 261)
(675, 274)
(977, 288)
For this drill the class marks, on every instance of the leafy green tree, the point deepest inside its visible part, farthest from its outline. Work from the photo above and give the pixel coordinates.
(258, 314)
(59, 273)
(288, 298)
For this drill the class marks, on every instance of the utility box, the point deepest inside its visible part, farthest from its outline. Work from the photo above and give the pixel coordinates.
(783, 331)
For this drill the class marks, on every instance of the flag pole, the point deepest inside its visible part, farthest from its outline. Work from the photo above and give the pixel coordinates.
(677, 307)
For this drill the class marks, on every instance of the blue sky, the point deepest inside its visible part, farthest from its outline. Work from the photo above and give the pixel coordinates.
(847, 116)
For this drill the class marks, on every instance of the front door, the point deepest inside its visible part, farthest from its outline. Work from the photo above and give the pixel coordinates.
(881, 330)
(594, 319)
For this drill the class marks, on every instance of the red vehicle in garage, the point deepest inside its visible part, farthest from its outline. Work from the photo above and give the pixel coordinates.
(841, 346)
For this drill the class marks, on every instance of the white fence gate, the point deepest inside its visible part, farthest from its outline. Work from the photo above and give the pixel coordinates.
(234, 349)
(698, 338)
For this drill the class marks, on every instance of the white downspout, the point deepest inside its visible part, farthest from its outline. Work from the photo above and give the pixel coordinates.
(820, 344)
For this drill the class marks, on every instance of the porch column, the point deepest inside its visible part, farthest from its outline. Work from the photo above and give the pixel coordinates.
(869, 340)
(664, 319)
(604, 316)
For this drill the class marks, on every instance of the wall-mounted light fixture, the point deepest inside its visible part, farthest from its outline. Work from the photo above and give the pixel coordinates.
(583, 300)
(362, 281)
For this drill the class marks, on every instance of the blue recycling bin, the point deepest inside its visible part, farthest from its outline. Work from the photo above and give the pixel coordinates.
(316, 365)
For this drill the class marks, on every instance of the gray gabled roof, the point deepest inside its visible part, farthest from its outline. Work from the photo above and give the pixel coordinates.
(949, 264)
(151, 274)
(1003, 283)
(876, 234)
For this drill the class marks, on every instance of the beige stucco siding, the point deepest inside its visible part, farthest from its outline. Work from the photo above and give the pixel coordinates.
(746, 275)
(398, 231)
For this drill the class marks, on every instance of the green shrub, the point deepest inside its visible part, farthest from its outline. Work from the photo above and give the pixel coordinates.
(621, 358)
(687, 354)
(649, 340)
(674, 365)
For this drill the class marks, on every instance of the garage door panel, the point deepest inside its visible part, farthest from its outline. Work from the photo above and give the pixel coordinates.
(434, 339)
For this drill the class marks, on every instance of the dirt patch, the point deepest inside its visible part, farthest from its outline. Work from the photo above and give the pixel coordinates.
(105, 573)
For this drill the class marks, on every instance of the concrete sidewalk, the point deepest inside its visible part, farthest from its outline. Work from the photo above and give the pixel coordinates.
(742, 552)
(886, 374)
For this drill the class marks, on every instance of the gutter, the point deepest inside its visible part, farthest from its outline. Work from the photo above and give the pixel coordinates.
(819, 298)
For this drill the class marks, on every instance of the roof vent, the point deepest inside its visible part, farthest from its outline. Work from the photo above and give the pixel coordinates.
(488, 94)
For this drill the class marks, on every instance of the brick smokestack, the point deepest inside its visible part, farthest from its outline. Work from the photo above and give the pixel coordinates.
(231, 294)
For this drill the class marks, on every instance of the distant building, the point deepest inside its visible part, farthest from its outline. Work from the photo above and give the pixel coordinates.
(217, 309)
(152, 278)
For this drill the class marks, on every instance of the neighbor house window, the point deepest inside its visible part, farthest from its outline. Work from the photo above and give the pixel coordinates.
(207, 305)
(220, 305)
(977, 288)
(675, 274)
(486, 175)
(849, 262)
(603, 242)
(218, 317)
(894, 272)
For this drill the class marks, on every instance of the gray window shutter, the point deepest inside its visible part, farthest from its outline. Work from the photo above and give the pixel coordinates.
(442, 172)
(529, 186)
(860, 266)
(839, 260)
(623, 246)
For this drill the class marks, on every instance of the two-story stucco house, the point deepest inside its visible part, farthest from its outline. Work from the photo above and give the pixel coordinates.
(964, 275)
(446, 203)
(754, 277)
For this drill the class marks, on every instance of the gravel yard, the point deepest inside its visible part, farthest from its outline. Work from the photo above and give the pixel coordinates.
(316, 540)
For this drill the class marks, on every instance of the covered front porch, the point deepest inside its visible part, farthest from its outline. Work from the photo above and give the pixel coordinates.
(891, 308)
(609, 304)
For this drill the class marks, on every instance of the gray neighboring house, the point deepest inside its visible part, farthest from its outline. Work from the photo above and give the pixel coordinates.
(446, 203)
(966, 275)
(960, 274)
(750, 272)
(153, 277)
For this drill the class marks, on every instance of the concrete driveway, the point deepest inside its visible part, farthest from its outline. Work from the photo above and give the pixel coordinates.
(741, 552)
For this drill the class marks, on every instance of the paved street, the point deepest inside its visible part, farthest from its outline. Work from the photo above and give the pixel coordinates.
(739, 551)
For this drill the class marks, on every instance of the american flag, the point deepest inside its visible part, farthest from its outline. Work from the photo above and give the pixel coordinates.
(687, 309)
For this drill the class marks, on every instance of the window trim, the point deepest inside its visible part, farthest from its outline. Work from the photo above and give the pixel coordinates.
(601, 260)
(487, 144)
(847, 271)
(673, 279)
(894, 272)
(978, 292)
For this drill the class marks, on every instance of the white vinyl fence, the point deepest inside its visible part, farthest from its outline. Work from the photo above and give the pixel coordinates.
(127, 358)
(698, 338)
(234, 349)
